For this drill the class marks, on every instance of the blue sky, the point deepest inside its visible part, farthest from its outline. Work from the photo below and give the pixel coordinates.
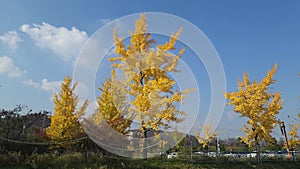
(249, 36)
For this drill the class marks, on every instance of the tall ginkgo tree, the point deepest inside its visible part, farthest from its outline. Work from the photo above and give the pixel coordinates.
(260, 106)
(65, 128)
(154, 101)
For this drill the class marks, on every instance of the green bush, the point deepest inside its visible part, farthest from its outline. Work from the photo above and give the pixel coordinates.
(11, 159)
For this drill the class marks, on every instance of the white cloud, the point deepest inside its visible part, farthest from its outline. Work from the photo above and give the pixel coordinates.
(50, 86)
(8, 67)
(11, 38)
(30, 82)
(45, 85)
(62, 41)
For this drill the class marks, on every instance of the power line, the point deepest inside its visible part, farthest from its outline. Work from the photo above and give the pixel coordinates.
(37, 143)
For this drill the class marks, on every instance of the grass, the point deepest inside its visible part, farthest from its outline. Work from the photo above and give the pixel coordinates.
(98, 161)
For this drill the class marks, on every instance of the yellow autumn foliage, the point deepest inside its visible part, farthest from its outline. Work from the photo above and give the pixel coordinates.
(294, 137)
(255, 102)
(113, 106)
(146, 67)
(207, 135)
(65, 127)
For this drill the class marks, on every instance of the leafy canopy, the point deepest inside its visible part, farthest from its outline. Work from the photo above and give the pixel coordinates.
(146, 68)
(255, 102)
(113, 106)
(207, 135)
(64, 122)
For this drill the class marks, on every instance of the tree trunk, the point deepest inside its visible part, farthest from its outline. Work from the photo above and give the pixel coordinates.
(145, 144)
(258, 152)
(144, 129)
(257, 146)
(86, 149)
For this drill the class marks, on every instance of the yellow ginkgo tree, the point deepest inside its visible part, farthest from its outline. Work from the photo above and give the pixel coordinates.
(146, 66)
(113, 105)
(65, 128)
(255, 102)
(146, 70)
(294, 137)
(294, 140)
(206, 135)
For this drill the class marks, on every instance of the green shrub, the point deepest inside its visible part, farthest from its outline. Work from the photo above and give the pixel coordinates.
(11, 158)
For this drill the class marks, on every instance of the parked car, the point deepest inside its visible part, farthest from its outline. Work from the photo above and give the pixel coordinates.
(199, 153)
(232, 155)
(252, 154)
(212, 154)
(172, 155)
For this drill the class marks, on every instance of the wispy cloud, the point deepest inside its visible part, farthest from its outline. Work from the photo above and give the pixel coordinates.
(104, 21)
(52, 86)
(30, 82)
(8, 67)
(11, 38)
(67, 43)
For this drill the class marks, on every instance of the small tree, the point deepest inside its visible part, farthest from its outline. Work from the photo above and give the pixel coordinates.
(294, 140)
(294, 137)
(113, 106)
(255, 102)
(65, 128)
(207, 135)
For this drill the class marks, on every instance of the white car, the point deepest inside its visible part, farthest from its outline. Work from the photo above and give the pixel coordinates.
(252, 155)
(172, 155)
(199, 153)
(211, 154)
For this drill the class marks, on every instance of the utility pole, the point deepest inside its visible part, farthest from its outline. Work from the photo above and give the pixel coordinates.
(162, 146)
(191, 145)
(218, 148)
(283, 132)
